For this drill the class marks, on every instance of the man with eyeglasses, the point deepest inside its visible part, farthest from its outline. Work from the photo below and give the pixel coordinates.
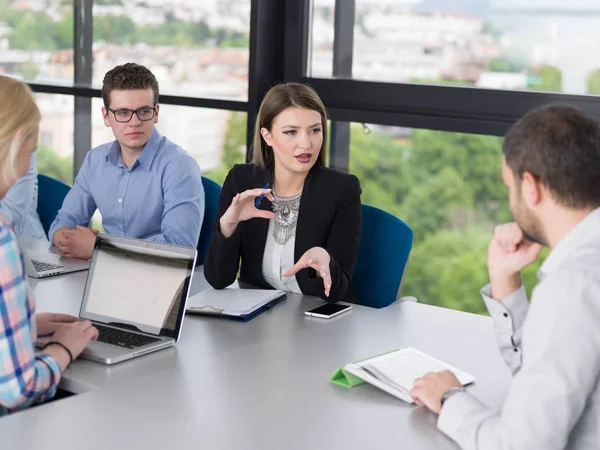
(144, 185)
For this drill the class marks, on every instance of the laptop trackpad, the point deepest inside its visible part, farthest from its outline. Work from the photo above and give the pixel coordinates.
(101, 351)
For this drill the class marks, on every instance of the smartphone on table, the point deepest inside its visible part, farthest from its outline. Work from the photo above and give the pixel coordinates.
(328, 310)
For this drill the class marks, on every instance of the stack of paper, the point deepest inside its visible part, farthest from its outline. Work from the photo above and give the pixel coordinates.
(395, 372)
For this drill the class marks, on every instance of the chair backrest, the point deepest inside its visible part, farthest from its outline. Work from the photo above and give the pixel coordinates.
(212, 191)
(51, 194)
(385, 244)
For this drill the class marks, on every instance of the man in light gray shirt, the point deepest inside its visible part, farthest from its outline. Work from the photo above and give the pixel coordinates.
(551, 167)
(19, 204)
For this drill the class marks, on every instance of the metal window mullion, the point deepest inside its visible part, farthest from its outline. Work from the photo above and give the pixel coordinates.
(343, 46)
(82, 59)
(266, 62)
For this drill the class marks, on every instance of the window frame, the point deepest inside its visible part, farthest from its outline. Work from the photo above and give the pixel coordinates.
(280, 36)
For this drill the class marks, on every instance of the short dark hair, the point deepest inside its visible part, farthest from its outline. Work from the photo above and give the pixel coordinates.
(128, 76)
(559, 145)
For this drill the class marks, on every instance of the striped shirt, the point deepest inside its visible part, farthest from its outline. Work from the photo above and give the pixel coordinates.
(553, 349)
(25, 378)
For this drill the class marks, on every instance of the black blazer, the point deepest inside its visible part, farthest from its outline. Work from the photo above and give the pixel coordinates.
(329, 216)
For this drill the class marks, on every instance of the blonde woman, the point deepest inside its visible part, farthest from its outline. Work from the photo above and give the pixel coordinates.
(294, 223)
(26, 377)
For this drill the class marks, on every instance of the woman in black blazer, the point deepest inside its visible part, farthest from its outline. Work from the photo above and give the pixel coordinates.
(294, 223)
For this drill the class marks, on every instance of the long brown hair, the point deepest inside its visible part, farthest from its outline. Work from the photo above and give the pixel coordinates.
(278, 99)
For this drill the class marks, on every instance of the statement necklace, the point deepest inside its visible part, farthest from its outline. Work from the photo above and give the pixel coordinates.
(286, 210)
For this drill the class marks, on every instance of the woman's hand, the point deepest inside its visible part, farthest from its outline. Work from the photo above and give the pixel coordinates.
(318, 258)
(48, 323)
(242, 208)
(73, 337)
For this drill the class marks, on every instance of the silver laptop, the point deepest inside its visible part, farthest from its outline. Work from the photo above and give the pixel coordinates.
(135, 294)
(43, 260)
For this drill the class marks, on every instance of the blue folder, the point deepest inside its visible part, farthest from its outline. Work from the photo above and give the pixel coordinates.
(212, 311)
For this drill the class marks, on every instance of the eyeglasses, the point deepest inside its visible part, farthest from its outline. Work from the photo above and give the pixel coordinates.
(125, 115)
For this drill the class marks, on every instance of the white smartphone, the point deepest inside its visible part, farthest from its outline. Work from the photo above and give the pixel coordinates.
(328, 310)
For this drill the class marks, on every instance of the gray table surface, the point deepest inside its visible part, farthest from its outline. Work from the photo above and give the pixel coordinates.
(257, 385)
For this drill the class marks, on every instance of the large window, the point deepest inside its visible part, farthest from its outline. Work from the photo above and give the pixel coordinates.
(55, 144)
(36, 40)
(195, 49)
(448, 187)
(438, 82)
(499, 44)
(36, 44)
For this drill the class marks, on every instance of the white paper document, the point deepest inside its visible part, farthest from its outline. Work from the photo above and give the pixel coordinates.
(231, 301)
(396, 372)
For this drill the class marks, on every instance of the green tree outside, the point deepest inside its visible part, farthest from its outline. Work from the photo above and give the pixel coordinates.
(505, 64)
(547, 78)
(234, 147)
(593, 82)
(36, 30)
(30, 70)
(49, 163)
(448, 187)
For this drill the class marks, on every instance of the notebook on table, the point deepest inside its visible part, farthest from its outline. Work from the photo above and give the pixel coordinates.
(233, 303)
(395, 372)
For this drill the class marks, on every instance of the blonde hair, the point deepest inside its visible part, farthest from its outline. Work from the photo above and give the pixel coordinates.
(17, 111)
(278, 99)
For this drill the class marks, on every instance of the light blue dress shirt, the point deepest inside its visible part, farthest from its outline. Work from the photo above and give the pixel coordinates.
(19, 204)
(159, 198)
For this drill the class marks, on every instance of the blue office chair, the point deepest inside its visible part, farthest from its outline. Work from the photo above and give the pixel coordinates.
(51, 193)
(212, 191)
(385, 244)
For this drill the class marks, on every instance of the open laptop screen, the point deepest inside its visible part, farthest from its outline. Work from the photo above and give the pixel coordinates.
(138, 283)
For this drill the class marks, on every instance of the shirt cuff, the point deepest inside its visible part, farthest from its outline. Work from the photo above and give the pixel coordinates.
(55, 374)
(508, 314)
(57, 226)
(52, 365)
(458, 415)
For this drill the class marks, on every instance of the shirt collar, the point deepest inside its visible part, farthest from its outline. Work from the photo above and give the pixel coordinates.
(588, 230)
(113, 156)
(146, 157)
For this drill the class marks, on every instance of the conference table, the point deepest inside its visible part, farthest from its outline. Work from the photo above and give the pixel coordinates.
(263, 384)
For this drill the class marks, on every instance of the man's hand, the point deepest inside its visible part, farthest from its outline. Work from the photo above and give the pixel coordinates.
(509, 252)
(58, 236)
(428, 390)
(48, 323)
(76, 242)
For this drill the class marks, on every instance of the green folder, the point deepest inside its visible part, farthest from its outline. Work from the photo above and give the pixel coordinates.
(346, 379)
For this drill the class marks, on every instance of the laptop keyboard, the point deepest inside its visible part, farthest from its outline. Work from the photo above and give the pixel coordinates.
(41, 266)
(122, 338)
